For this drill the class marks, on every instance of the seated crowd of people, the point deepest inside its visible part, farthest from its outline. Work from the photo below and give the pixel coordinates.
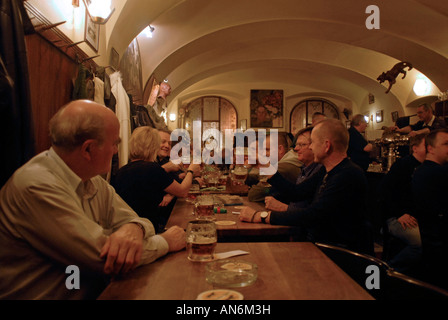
(57, 210)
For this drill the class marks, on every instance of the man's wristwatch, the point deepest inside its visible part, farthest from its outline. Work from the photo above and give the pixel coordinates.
(264, 215)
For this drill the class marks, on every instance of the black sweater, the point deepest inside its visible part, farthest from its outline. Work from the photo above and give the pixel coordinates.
(336, 212)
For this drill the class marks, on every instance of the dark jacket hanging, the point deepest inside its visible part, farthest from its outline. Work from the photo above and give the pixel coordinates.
(17, 131)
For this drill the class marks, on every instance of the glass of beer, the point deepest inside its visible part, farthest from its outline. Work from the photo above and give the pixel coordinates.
(204, 207)
(201, 240)
(240, 174)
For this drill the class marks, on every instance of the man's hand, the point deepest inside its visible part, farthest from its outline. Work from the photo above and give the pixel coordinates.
(123, 249)
(166, 200)
(246, 214)
(407, 221)
(275, 205)
(176, 238)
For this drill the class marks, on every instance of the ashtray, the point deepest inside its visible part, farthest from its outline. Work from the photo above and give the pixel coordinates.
(231, 273)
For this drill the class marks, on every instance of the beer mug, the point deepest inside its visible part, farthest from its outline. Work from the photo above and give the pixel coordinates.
(240, 175)
(201, 240)
(204, 207)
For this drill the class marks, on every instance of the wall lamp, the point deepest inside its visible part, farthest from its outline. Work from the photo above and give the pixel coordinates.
(99, 10)
(148, 31)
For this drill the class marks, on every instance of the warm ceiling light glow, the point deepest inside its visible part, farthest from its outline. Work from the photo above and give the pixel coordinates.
(172, 117)
(99, 10)
(422, 86)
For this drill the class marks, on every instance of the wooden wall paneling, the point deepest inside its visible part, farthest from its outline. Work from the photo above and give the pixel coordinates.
(51, 84)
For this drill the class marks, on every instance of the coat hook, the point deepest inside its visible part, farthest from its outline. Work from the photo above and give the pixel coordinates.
(46, 27)
(89, 58)
(71, 44)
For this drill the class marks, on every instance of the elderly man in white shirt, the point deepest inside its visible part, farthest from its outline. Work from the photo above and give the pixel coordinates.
(56, 211)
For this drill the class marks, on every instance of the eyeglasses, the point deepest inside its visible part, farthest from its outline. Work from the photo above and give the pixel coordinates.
(302, 145)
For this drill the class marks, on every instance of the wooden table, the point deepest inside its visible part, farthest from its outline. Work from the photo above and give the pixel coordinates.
(240, 231)
(286, 271)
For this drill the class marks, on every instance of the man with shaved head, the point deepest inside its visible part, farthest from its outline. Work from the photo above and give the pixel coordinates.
(335, 214)
(57, 212)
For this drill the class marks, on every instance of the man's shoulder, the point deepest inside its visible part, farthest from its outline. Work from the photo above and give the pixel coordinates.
(429, 165)
(408, 161)
(348, 168)
(427, 170)
(417, 126)
(439, 123)
(37, 170)
(290, 158)
(353, 132)
(291, 164)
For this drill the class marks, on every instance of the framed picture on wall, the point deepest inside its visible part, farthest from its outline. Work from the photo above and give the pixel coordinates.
(379, 116)
(92, 33)
(395, 116)
(266, 108)
(114, 59)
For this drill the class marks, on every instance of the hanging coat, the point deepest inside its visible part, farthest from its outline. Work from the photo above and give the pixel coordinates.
(122, 110)
(99, 90)
(16, 120)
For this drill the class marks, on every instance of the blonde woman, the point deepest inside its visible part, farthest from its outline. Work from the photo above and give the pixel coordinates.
(142, 183)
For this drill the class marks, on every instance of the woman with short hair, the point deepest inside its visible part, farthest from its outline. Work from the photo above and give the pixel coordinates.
(142, 183)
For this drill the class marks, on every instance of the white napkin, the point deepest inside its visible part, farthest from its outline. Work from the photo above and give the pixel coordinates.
(225, 255)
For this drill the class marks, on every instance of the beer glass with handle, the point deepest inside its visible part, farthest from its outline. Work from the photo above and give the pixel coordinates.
(204, 207)
(201, 240)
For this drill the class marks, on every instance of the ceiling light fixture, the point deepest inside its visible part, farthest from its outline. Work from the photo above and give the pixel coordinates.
(99, 10)
(422, 86)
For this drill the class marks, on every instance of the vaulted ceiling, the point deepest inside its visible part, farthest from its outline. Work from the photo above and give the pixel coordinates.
(319, 46)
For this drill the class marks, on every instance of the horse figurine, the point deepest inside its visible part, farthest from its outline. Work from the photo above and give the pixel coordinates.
(393, 73)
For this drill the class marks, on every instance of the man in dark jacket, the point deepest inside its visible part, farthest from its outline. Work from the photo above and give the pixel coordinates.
(358, 147)
(398, 206)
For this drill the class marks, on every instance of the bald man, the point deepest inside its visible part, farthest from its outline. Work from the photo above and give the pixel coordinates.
(335, 214)
(56, 211)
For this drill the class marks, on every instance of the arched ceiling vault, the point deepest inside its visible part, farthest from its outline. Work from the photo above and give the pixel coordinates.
(318, 46)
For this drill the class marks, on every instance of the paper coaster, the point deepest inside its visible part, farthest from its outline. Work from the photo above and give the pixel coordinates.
(225, 222)
(225, 255)
(220, 294)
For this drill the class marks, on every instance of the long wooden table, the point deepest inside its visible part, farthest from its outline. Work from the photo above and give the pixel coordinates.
(286, 271)
(183, 212)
